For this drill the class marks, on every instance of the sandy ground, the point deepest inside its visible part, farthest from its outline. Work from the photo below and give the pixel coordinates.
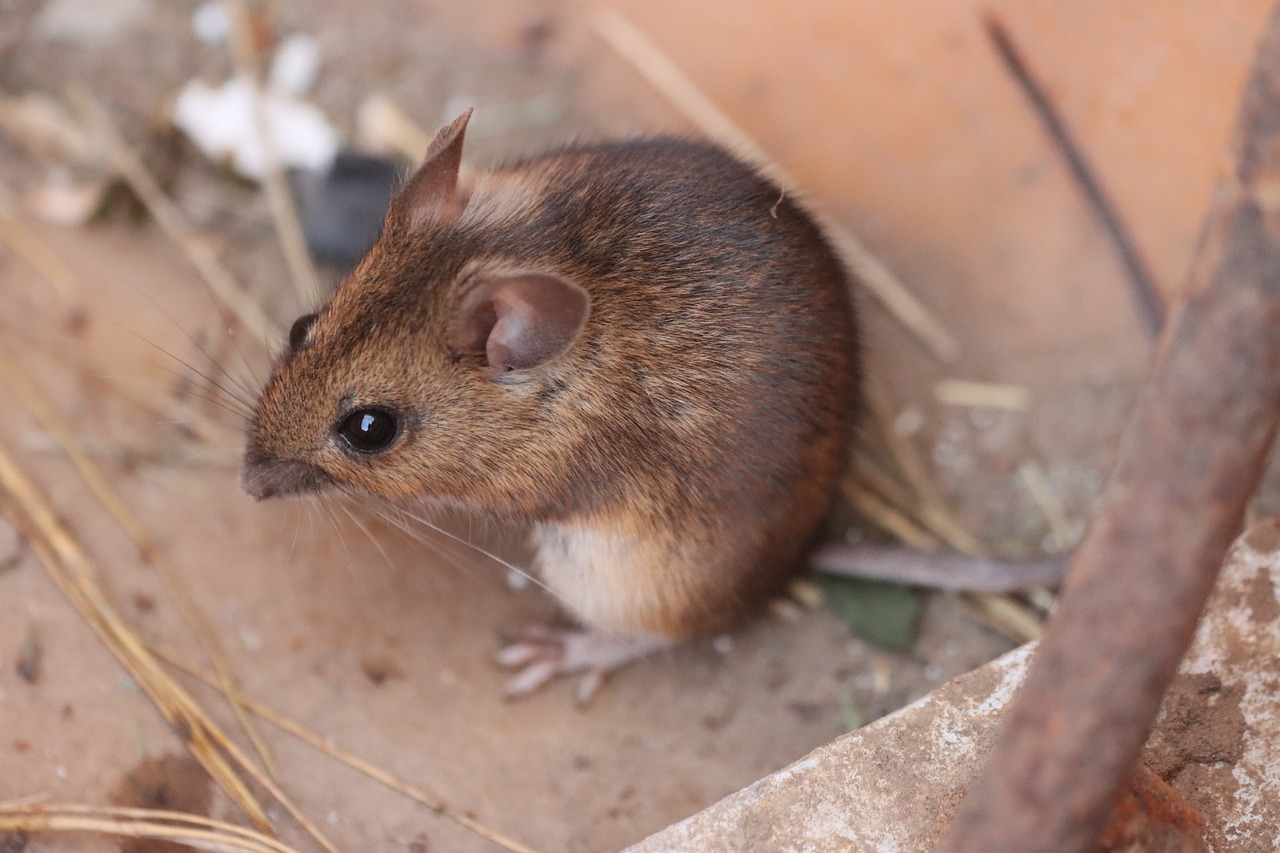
(899, 119)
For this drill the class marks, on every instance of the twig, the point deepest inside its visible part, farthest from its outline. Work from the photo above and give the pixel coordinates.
(924, 522)
(288, 228)
(167, 215)
(1140, 280)
(353, 761)
(1189, 461)
(663, 74)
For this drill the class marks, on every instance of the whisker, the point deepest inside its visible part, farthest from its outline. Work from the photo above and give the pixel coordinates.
(259, 380)
(360, 525)
(248, 398)
(428, 523)
(191, 339)
(218, 309)
(228, 396)
(327, 506)
(230, 399)
(293, 543)
(436, 544)
(79, 362)
(244, 417)
(242, 400)
(315, 517)
(198, 423)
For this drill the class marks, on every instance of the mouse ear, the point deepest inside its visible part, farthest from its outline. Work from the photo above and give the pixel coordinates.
(430, 196)
(520, 320)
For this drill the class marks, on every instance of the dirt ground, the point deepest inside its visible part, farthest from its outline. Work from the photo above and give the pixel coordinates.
(897, 118)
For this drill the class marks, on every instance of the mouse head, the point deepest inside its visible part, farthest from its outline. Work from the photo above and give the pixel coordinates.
(437, 368)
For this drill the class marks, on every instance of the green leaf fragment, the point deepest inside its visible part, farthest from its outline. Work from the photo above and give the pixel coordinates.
(886, 614)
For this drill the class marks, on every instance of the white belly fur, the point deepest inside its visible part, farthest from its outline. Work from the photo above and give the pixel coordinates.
(611, 582)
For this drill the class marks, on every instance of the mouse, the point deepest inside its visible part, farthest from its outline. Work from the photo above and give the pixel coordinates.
(642, 350)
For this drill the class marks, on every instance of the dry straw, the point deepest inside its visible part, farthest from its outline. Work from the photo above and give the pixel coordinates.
(692, 103)
(288, 228)
(172, 221)
(66, 438)
(353, 761)
(198, 832)
(72, 571)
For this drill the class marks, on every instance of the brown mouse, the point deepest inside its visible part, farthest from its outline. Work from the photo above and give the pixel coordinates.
(643, 349)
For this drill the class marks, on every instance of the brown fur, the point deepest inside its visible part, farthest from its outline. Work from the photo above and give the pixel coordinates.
(677, 458)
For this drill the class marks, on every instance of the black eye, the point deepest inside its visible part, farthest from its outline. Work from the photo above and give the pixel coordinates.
(369, 430)
(298, 331)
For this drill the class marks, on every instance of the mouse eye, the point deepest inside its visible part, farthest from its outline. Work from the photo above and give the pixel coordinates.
(369, 430)
(298, 331)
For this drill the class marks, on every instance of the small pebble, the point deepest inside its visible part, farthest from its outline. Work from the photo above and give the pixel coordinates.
(30, 658)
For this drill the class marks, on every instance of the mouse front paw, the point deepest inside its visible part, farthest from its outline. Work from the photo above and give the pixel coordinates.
(545, 653)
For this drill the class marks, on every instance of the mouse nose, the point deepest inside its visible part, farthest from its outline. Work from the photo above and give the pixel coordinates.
(266, 477)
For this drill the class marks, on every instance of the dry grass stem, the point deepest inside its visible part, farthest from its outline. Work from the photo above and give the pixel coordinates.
(351, 760)
(1038, 486)
(929, 507)
(937, 523)
(665, 76)
(302, 271)
(1004, 614)
(173, 222)
(27, 245)
(888, 518)
(72, 572)
(982, 395)
(874, 471)
(386, 127)
(192, 830)
(1042, 598)
(1001, 612)
(47, 415)
(944, 525)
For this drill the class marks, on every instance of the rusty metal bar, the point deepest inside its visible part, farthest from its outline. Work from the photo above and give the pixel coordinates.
(1189, 461)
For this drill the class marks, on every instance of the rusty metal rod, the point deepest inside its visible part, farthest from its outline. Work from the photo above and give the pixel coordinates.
(1188, 463)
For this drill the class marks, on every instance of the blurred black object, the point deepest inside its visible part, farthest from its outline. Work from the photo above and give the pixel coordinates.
(342, 209)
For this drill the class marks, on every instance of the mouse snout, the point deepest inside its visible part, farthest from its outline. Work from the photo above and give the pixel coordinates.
(266, 477)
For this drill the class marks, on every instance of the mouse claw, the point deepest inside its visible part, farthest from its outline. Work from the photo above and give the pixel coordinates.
(587, 687)
(519, 655)
(530, 679)
(545, 654)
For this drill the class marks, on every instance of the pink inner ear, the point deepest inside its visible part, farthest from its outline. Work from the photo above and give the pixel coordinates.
(522, 320)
